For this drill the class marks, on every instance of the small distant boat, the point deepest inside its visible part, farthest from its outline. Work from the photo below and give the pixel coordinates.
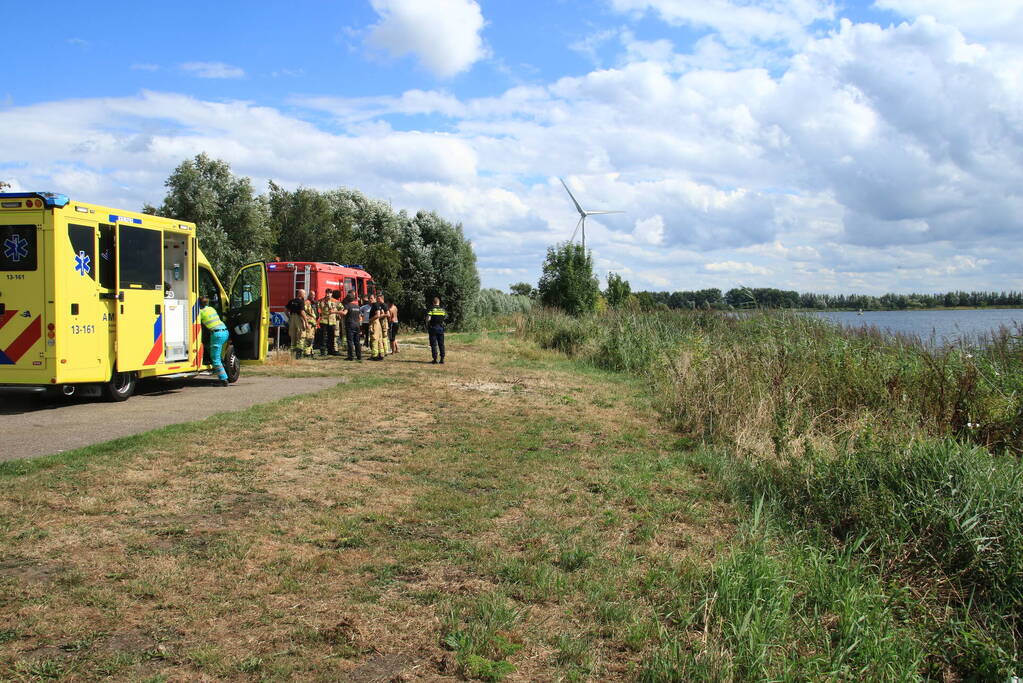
(859, 312)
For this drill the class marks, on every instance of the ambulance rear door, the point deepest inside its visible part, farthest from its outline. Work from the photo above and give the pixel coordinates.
(248, 312)
(139, 295)
(22, 295)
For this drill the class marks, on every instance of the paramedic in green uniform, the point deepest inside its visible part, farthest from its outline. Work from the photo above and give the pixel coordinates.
(218, 337)
(435, 319)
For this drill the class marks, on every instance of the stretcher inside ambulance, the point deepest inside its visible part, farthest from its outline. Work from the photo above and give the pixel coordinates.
(93, 299)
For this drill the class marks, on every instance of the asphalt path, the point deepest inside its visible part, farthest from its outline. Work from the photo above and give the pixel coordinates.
(34, 423)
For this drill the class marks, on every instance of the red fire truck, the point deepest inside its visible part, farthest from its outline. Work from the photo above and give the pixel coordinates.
(285, 278)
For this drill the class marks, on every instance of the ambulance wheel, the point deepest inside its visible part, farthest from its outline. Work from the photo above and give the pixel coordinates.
(120, 387)
(232, 366)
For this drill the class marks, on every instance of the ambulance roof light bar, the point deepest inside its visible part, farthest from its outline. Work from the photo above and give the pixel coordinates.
(50, 199)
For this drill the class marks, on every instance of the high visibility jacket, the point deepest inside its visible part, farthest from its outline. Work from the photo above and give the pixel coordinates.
(437, 317)
(209, 318)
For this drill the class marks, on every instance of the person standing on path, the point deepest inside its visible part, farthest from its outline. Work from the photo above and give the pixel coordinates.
(436, 318)
(210, 319)
(377, 317)
(327, 309)
(367, 308)
(311, 323)
(296, 323)
(353, 326)
(392, 327)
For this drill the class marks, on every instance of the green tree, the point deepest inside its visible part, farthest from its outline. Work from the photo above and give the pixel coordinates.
(568, 281)
(231, 219)
(618, 290)
(439, 261)
(522, 289)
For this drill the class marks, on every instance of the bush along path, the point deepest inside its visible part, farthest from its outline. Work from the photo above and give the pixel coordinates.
(510, 515)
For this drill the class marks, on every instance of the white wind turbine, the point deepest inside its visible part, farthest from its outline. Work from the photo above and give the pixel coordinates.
(582, 215)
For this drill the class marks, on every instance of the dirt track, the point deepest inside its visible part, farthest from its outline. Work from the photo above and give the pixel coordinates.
(35, 424)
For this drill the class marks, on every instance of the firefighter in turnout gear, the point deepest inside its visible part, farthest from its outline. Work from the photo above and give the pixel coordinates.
(210, 319)
(312, 322)
(328, 310)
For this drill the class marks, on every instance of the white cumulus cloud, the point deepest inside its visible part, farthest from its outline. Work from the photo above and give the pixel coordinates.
(736, 267)
(213, 70)
(444, 35)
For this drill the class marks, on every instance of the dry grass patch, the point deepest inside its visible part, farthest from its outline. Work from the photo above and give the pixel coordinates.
(500, 516)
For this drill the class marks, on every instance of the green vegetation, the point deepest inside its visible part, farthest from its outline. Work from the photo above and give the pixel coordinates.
(413, 258)
(568, 282)
(890, 468)
(769, 297)
(493, 302)
(618, 290)
(527, 516)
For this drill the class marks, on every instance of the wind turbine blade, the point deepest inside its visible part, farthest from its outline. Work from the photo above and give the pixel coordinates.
(577, 207)
(577, 224)
(595, 213)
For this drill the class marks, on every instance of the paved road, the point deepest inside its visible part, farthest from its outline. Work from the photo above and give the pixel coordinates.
(32, 423)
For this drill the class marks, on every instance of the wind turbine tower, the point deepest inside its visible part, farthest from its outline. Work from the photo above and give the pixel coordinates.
(582, 215)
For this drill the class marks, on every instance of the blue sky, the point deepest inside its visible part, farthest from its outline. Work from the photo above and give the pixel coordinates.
(863, 146)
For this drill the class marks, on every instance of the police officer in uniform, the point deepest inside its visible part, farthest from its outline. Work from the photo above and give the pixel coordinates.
(218, 337)
(436, 318)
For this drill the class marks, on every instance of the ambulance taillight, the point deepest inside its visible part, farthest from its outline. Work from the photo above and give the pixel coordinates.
(51, 331)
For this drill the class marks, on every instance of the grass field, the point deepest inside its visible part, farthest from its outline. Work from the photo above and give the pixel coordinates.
(508, 515)
(512, 515)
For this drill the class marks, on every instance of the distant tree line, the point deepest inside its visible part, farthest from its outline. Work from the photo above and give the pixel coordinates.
(768, 297)
(411, 257)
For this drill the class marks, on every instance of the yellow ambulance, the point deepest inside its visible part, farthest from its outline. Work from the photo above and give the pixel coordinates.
(93, 299)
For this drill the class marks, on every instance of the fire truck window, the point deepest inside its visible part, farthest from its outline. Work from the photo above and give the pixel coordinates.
(17, 247)
(349, 285)
(141, 256)
(107, 261)
(208, 288)
(83, 249)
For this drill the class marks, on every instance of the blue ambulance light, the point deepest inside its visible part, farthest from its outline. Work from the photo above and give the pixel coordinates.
(50, 199)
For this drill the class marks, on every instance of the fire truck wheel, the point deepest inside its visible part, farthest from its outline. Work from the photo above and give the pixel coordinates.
(232, 365)
(120, 387)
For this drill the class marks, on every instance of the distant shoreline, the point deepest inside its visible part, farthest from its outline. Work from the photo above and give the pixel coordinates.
(901, 310)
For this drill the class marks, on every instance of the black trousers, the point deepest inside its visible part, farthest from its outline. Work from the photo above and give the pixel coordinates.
(354, 347)
(318, 338)
(329, 343)
(365, 334)
(437, 343)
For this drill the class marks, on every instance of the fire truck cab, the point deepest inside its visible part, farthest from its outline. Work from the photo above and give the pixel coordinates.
(285, 278)
(92, 299)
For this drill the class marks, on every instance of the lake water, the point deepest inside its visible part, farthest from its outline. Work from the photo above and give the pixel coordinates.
(943, 326)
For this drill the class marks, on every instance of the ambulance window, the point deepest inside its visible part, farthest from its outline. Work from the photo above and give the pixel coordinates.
(83, 249)
(107, 261)
(208, 288)
(17, 247)
(140, 252)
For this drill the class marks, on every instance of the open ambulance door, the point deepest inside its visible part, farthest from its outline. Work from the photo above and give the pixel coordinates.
(139, 309)
(248, 312)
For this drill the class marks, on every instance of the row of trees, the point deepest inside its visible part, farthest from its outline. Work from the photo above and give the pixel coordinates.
(411, 257)
(768, 297)
(568, 283)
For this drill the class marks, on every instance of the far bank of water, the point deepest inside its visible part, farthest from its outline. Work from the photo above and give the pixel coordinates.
(935, 326)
